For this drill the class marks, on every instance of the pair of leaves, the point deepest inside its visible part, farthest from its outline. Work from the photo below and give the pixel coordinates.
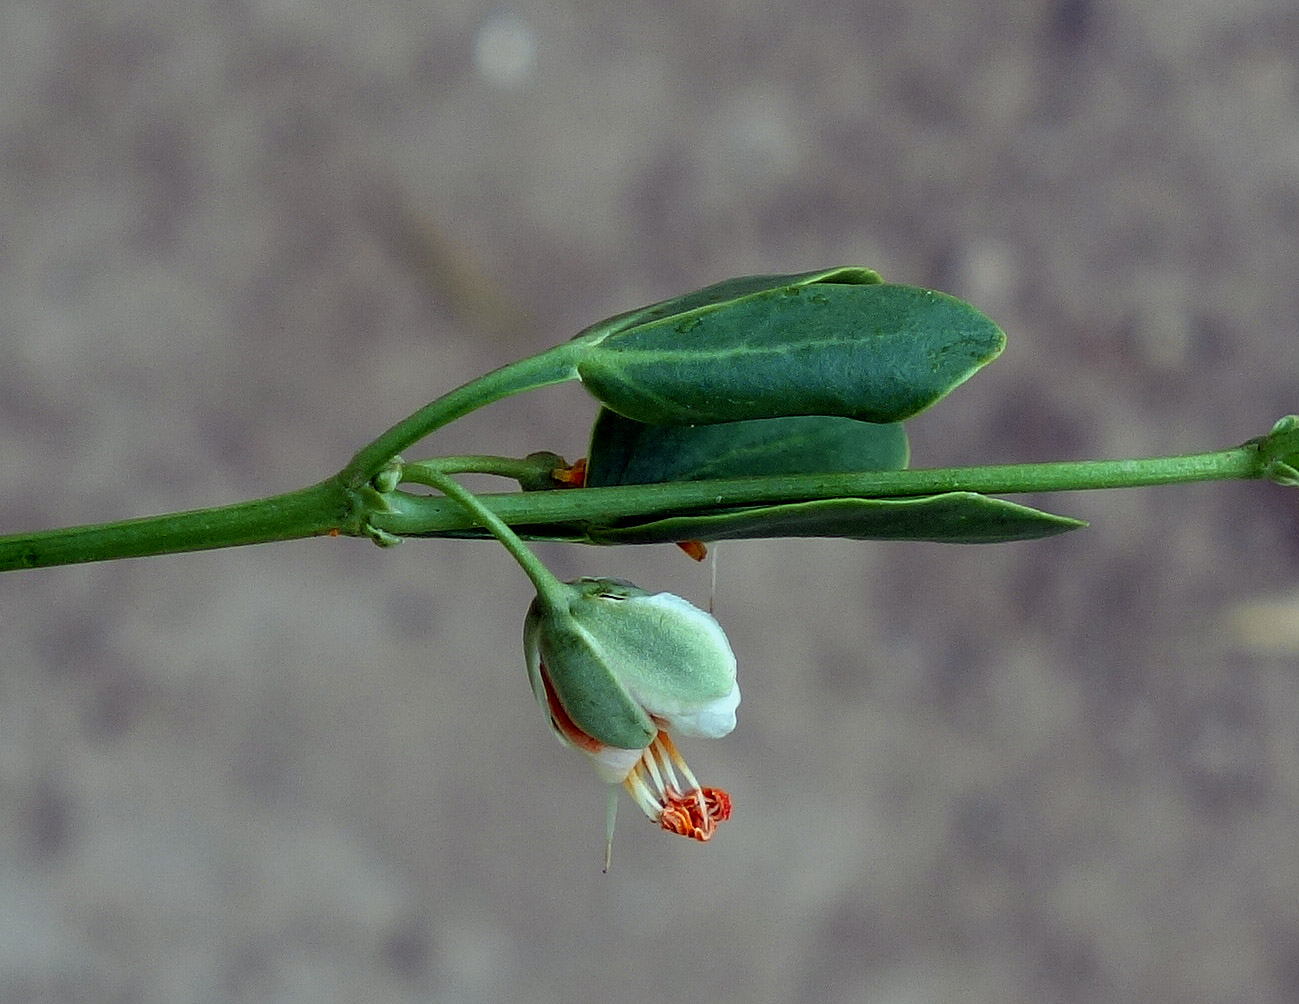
(771, 375)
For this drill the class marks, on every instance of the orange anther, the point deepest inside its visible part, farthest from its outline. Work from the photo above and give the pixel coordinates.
(696, 813)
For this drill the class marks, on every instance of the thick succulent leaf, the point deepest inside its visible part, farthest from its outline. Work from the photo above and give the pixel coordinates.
(625, 452)
(871, 351)
(720, 292)
(954, 517)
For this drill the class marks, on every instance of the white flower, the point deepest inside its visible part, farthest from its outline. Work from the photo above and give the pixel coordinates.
(617, 669)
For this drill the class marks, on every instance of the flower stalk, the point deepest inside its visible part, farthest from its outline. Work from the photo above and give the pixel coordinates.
(615, 668)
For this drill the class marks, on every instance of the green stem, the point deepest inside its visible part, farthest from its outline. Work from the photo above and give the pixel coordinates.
(548, 587)
(525, 470)
(332, 507)
(413, 514)
(555, 365)
(308, 512)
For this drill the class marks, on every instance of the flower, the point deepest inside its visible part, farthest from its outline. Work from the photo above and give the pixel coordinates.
(617, 670)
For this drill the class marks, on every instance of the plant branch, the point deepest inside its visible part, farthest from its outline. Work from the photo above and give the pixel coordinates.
(331, 507)
(548, 587)
(318, 510)
(413, 515)
(555, 365)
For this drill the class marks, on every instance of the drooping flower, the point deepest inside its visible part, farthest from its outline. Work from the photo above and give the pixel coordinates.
(618, 670)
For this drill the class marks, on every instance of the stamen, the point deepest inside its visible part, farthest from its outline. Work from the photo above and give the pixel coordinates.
(677, 759)
(694, 813)
(641, 795)
(649, 759)
(697, 813)
(659, 756)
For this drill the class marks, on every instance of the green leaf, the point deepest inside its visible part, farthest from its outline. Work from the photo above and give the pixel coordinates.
(625, 452)
(871, 351)
(720, 292)
(954, 518)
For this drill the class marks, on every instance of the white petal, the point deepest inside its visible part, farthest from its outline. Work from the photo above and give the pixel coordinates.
(711, 720)
(613, 764)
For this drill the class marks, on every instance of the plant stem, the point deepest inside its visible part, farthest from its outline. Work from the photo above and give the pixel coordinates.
(548, 587)
(308, 512)
(555, 365)
(524, 469)
(332, 507)
(413, 514)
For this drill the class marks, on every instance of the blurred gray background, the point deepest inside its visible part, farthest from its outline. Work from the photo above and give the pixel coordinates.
(238, 239)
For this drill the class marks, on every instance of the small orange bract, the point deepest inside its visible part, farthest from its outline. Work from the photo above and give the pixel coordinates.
(694, 548)
(572, 477)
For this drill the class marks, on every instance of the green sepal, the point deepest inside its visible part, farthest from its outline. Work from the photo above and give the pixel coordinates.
(953, 518)
(579, 666)
(864, 350)
(626, 452)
